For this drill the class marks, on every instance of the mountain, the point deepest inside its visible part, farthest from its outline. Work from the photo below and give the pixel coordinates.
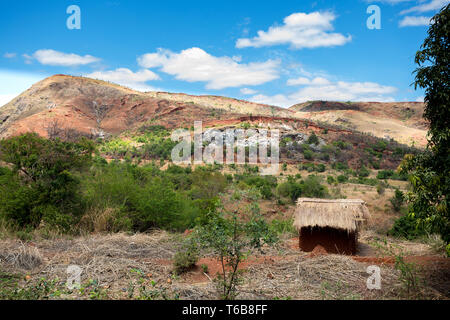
(94, 107)
(402, 121)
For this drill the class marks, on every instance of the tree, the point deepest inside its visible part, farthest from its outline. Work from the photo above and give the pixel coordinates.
(397, 200)
(42, 180)
(231, 237)
(430, 170)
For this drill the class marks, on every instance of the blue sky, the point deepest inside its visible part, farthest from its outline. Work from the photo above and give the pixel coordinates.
(280, 53)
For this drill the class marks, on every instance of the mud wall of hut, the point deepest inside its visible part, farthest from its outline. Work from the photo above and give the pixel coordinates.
(333, 240)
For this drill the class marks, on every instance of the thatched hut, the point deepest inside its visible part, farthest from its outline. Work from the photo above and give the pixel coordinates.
(333, 224)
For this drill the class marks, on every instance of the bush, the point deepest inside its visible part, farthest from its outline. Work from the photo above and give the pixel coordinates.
(381, 188)
(339, 166)
(313, 139)
(229, 236)
(342, 178)
(290, 189)
(407, 227)
(308, 154)
(280, 227)
(186, 258)
(330, 180)
(150, 198)
(397, 200)
(43, 181)
(384, 174)
(367, 181)
(320, 167)
(363, 172)
(342, 145)
(263, 183)
(312, 188)
(310, 167)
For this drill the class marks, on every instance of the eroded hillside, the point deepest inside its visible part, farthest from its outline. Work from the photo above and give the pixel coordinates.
(401, 121)
(95, 107)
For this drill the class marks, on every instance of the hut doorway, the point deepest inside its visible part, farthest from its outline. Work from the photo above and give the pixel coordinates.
(333, 240)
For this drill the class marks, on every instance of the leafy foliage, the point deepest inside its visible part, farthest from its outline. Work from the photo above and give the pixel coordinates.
(231, 237)
(430, 170)
(42, 181)
(397, 200)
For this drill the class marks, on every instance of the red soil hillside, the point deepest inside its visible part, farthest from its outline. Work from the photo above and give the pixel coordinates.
(92, 106)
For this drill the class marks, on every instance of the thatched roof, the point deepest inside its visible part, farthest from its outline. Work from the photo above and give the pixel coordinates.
(347, 214)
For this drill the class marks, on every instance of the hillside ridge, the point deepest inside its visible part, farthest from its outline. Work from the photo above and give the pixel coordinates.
(90, 106)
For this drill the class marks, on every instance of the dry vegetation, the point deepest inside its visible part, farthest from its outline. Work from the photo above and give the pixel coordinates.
(139, 267)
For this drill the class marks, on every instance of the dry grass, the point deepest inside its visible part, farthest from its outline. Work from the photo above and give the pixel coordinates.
(321, 277)
(98, 220)
(343, 213)
(24, 257)
(118, 262)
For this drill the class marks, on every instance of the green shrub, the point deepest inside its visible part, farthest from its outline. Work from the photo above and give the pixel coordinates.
(339, 166)
(363, 172)
(263, 183)
(384, 174)
(285, 226)
(397, 200)
(205, 268)
(375, 164)
(313, 139)
(342, 145)
(186, 258)
(312, 188)
(320, 167)
(230, 237)
(342, 178)
(381, 188)
(407, 227)
(308, 154)
(43, 181)
(366, 181)
(291, 190)
(150, 198)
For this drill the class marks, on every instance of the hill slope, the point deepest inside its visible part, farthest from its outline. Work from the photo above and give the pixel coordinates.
(401, 121)
(93, 107)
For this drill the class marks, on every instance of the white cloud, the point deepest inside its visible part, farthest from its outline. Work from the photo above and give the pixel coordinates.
(424, 7)
(420, 99)
(28, 58)
(300, 30)
(410, 21)
(56, 58)
(9, 55)
(305, 81)
(332, 91)
(298, 81)
(248, 91)
(195, 64)
(126, 77)
(280, 100)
